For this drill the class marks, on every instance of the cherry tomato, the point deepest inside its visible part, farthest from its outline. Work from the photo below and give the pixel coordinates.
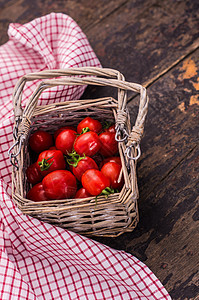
(109, 144)
(37, 193)
(87, 143)
(112, 171)
(82, 165)
(115, 159)
(62, 129)
(40, 140)
(94, 181)
(51, 160)
(33, 173)
(82, 193)
(110, 129)
(92, 124)
(60, 184)
(65, 140)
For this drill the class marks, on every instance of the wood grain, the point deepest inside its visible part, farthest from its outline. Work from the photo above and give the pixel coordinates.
(167, 238)
(141, 45)
(144, 43)
(85, 13)
(171, 129)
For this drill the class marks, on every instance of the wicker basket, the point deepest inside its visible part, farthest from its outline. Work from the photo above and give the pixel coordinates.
(111, 216)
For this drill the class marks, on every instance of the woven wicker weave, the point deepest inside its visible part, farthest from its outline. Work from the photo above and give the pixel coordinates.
(111, 216)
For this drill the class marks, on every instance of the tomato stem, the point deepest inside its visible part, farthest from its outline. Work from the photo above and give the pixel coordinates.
(44, 165)
(107, 191)
(84, 130)
(75, 158)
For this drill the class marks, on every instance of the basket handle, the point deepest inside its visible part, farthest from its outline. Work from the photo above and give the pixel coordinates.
(116, 79)
(47, 74)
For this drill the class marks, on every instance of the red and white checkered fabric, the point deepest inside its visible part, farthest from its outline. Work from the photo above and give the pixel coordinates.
(38, 260)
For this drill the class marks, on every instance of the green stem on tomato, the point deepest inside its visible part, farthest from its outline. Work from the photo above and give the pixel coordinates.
(44, 165)
(75, 158)
(106, 192)
(84, 130)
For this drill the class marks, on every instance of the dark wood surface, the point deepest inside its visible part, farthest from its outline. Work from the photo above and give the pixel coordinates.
(154, 43)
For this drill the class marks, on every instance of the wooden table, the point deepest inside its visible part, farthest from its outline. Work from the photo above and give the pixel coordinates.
(155, 43)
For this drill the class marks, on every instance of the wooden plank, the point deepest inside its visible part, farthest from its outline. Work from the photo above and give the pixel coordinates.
(166, 238)
(145, 44)
(131, 36)
(171, 129)
(84, 12)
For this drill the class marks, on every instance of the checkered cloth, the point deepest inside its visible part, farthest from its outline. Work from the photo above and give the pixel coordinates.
(38, 260)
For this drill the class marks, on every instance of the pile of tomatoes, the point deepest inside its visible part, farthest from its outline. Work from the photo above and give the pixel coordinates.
(74, 162)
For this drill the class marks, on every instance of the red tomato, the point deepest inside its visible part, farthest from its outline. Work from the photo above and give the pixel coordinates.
(37, 193)
(115, 159)
(109, 144)
(65, 140)
(112, 171)
(51, 160)
(95, 182)
(33, 173)
(92, 124)
(60, 184)
(87, 143)
(52, 148)
(82, 193)
(40, 140)
(111, 129)
(83, 165)
(62, 129)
